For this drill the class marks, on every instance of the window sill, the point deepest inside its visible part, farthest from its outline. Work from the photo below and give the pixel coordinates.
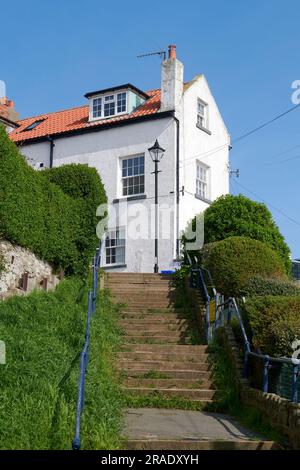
(130, 198)
(114, 266)
(203, 129)
(208, 201)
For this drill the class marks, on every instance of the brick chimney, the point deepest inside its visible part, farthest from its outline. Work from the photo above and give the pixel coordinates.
(171, 81)
(7, 110)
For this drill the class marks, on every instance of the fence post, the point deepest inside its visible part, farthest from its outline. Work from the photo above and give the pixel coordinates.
(246, 361)
(266, 374)
(295, 375)
(229, 314)
(94, 282)
(207, 321)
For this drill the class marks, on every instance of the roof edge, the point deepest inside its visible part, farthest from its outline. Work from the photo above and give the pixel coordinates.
(86, 130)
(116, 88)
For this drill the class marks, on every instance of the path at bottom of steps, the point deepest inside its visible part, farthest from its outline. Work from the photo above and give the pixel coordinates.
(159, 429)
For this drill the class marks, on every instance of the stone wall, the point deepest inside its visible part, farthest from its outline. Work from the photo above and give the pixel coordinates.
(23, 272)
(283, 415)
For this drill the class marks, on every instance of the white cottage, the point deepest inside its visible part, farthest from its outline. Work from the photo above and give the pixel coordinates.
(113, 132)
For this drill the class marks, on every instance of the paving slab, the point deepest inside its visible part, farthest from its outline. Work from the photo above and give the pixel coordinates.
(163, 424)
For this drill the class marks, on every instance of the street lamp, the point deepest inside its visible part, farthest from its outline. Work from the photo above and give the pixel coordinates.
(156, 153)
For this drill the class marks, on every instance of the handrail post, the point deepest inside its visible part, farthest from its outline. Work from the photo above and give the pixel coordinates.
(246, 360)
(295, 375)
(266, 374)
(207, 321)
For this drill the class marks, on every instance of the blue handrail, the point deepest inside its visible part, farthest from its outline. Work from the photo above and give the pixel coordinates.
(232, 308)
(84, 355)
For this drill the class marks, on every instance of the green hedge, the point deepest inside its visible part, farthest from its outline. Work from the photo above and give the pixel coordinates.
(231, 216)
(275, 323)
(83, 185)
(35, 213)
(259, 286)
(234, 261)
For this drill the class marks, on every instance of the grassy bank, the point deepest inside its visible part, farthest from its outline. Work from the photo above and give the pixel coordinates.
(44, 334)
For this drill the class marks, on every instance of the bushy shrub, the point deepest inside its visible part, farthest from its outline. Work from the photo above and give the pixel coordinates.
(35, 213)
(232, 216)
(259, 286)
(275, 323)
(234, 261)
(83, 185)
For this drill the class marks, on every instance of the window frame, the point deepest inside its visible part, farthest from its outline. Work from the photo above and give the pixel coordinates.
(114, 100)
(205, 116)
(122, 178)
(115, 246)
(203, 182)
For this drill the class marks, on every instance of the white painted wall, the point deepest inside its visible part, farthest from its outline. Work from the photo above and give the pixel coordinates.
(103, 150)
(198, 145)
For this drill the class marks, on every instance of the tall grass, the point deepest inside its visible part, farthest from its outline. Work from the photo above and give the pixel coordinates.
(44, 334)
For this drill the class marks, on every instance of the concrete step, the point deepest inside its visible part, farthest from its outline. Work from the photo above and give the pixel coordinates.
(143, 287)
(166, 348)
(163, 356)
(142, 339)
(163, 328)
(185, 393)
(139, 276)
(165, 335)
(154, 311)
(157, 319)
(168, 383)
(191, 445)
(190, 375)
(163, 365)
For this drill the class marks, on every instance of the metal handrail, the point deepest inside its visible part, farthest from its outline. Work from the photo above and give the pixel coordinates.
(211, 326)
(84, 355)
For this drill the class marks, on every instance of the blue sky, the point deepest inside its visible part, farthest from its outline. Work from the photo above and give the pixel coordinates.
(53, 52)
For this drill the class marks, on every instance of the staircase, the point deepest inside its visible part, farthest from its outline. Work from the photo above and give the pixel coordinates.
(163, 364)
(158, 358)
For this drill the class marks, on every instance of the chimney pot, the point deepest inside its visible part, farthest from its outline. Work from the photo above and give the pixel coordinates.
(172, 51)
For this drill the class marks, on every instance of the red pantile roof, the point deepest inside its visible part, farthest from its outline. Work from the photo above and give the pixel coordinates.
(77, 119)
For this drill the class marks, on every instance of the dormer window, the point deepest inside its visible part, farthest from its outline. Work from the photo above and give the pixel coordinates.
(110, 105)
(115, 101)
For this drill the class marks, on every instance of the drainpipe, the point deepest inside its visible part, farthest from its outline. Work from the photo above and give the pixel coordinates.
(52, 145)
(177, 184)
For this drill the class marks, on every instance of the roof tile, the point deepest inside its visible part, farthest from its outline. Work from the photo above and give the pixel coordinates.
(74, 119)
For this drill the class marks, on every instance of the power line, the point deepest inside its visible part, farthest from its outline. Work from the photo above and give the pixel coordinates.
(256, 129)
(243, 136)
(268, 204)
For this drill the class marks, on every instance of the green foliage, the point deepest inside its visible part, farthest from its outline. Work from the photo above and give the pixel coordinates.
(232, 216)
(275, 323)
(84, 186)
(35, 213)
(235, 260)
(259, 286)
(44, 334)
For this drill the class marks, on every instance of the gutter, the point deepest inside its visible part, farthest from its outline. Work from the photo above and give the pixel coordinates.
(177, 122)
(52, 145)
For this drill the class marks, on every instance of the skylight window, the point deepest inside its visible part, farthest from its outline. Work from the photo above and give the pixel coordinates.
(33, 125)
